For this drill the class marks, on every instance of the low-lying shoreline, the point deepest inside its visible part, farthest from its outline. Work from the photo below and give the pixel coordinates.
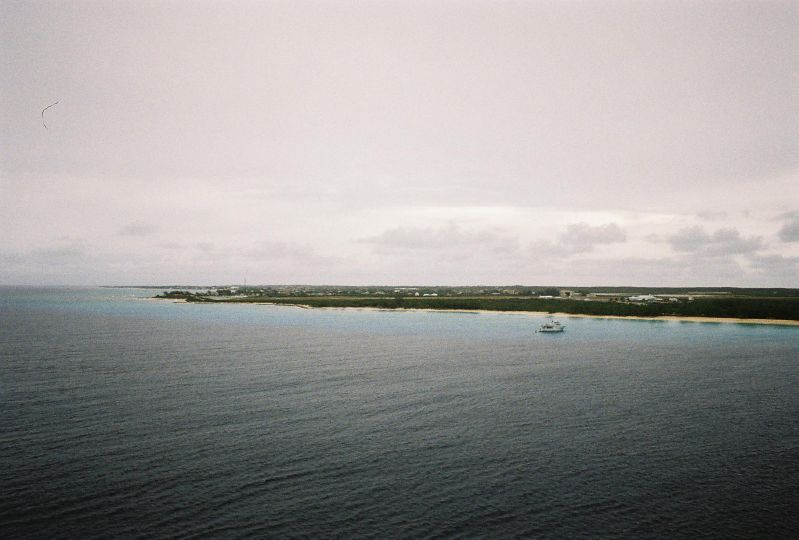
(563, 315)
(664, 318)
(677, 318)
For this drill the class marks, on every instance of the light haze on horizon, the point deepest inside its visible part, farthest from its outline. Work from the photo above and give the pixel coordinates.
(581, 143)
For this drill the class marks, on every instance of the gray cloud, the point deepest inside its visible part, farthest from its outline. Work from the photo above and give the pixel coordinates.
(59, 263)
(665, 271)
(11, 258)
(712, 215)
(725, 241)
(136, 228)
(779, 263)
(447, 238)
(790, 229)
(279, 251)
(585, 237)
(67, 252)
(779, 270)
(62, 253)
(549, 249)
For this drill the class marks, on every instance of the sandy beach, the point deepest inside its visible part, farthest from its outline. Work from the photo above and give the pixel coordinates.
(664, 318)
(782, 322)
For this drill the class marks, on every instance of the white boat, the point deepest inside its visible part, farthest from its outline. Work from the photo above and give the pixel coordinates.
(551, 326)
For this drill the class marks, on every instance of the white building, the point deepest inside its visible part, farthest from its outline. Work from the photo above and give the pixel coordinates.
(644, 298)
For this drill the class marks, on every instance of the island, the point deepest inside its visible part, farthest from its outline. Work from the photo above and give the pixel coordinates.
(697, 303)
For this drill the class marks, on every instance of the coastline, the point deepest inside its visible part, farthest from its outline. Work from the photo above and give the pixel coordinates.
(664, 318)
(677, 318)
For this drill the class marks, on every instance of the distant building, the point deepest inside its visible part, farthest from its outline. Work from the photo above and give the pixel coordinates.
(644, 298)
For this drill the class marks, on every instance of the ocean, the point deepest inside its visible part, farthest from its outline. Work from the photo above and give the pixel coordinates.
(127, 417)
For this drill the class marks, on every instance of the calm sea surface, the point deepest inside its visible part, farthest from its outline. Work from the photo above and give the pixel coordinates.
(124, 417)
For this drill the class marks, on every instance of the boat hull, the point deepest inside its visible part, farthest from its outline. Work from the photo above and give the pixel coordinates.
(552, 327)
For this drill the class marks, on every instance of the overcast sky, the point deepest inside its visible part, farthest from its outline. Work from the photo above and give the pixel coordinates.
(398, 142)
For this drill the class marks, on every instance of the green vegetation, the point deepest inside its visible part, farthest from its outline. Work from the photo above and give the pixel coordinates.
(753, 304)
(180, 295)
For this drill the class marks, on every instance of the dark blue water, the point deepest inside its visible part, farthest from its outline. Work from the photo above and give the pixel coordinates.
(122, 417)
